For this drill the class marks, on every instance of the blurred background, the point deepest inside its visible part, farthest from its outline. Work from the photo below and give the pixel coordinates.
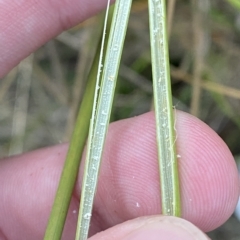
(39, 99)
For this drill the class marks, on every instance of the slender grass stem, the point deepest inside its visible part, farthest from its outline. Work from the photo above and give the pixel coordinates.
(101, 116)
(200, 10)
(82, 233)
(166, 137)
(71, 166)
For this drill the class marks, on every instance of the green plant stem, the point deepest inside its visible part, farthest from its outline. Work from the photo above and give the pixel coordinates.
(71, 166)
(101, 116)
(166, 137)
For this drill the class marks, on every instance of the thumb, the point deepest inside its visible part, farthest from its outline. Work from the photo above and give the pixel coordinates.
(153, 228)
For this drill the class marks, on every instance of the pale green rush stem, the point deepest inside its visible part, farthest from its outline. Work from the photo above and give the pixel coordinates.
(82, 233)
(71, 166)
(166, 137)
(100, 123)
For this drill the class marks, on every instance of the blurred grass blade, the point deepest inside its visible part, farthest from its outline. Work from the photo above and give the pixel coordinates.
(235, 3)
(166, 138)
(99, 123)
(21, 106)
(71, 166)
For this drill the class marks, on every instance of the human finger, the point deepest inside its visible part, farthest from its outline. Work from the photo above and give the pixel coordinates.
(152, 228)
(26, 25)
(128, 182)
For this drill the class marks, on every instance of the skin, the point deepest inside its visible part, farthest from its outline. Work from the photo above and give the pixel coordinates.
(128, 187)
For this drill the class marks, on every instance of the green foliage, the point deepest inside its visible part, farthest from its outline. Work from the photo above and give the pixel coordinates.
(235, 3)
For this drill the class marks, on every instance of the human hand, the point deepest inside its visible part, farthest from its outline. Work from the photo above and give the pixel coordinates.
(129, 184)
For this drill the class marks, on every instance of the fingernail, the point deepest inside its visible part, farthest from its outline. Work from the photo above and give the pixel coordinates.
(167, 228)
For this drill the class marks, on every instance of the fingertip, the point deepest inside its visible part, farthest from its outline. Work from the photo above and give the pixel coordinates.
(153, 228)
(27, 25)
(208, 173)
(209, 176)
